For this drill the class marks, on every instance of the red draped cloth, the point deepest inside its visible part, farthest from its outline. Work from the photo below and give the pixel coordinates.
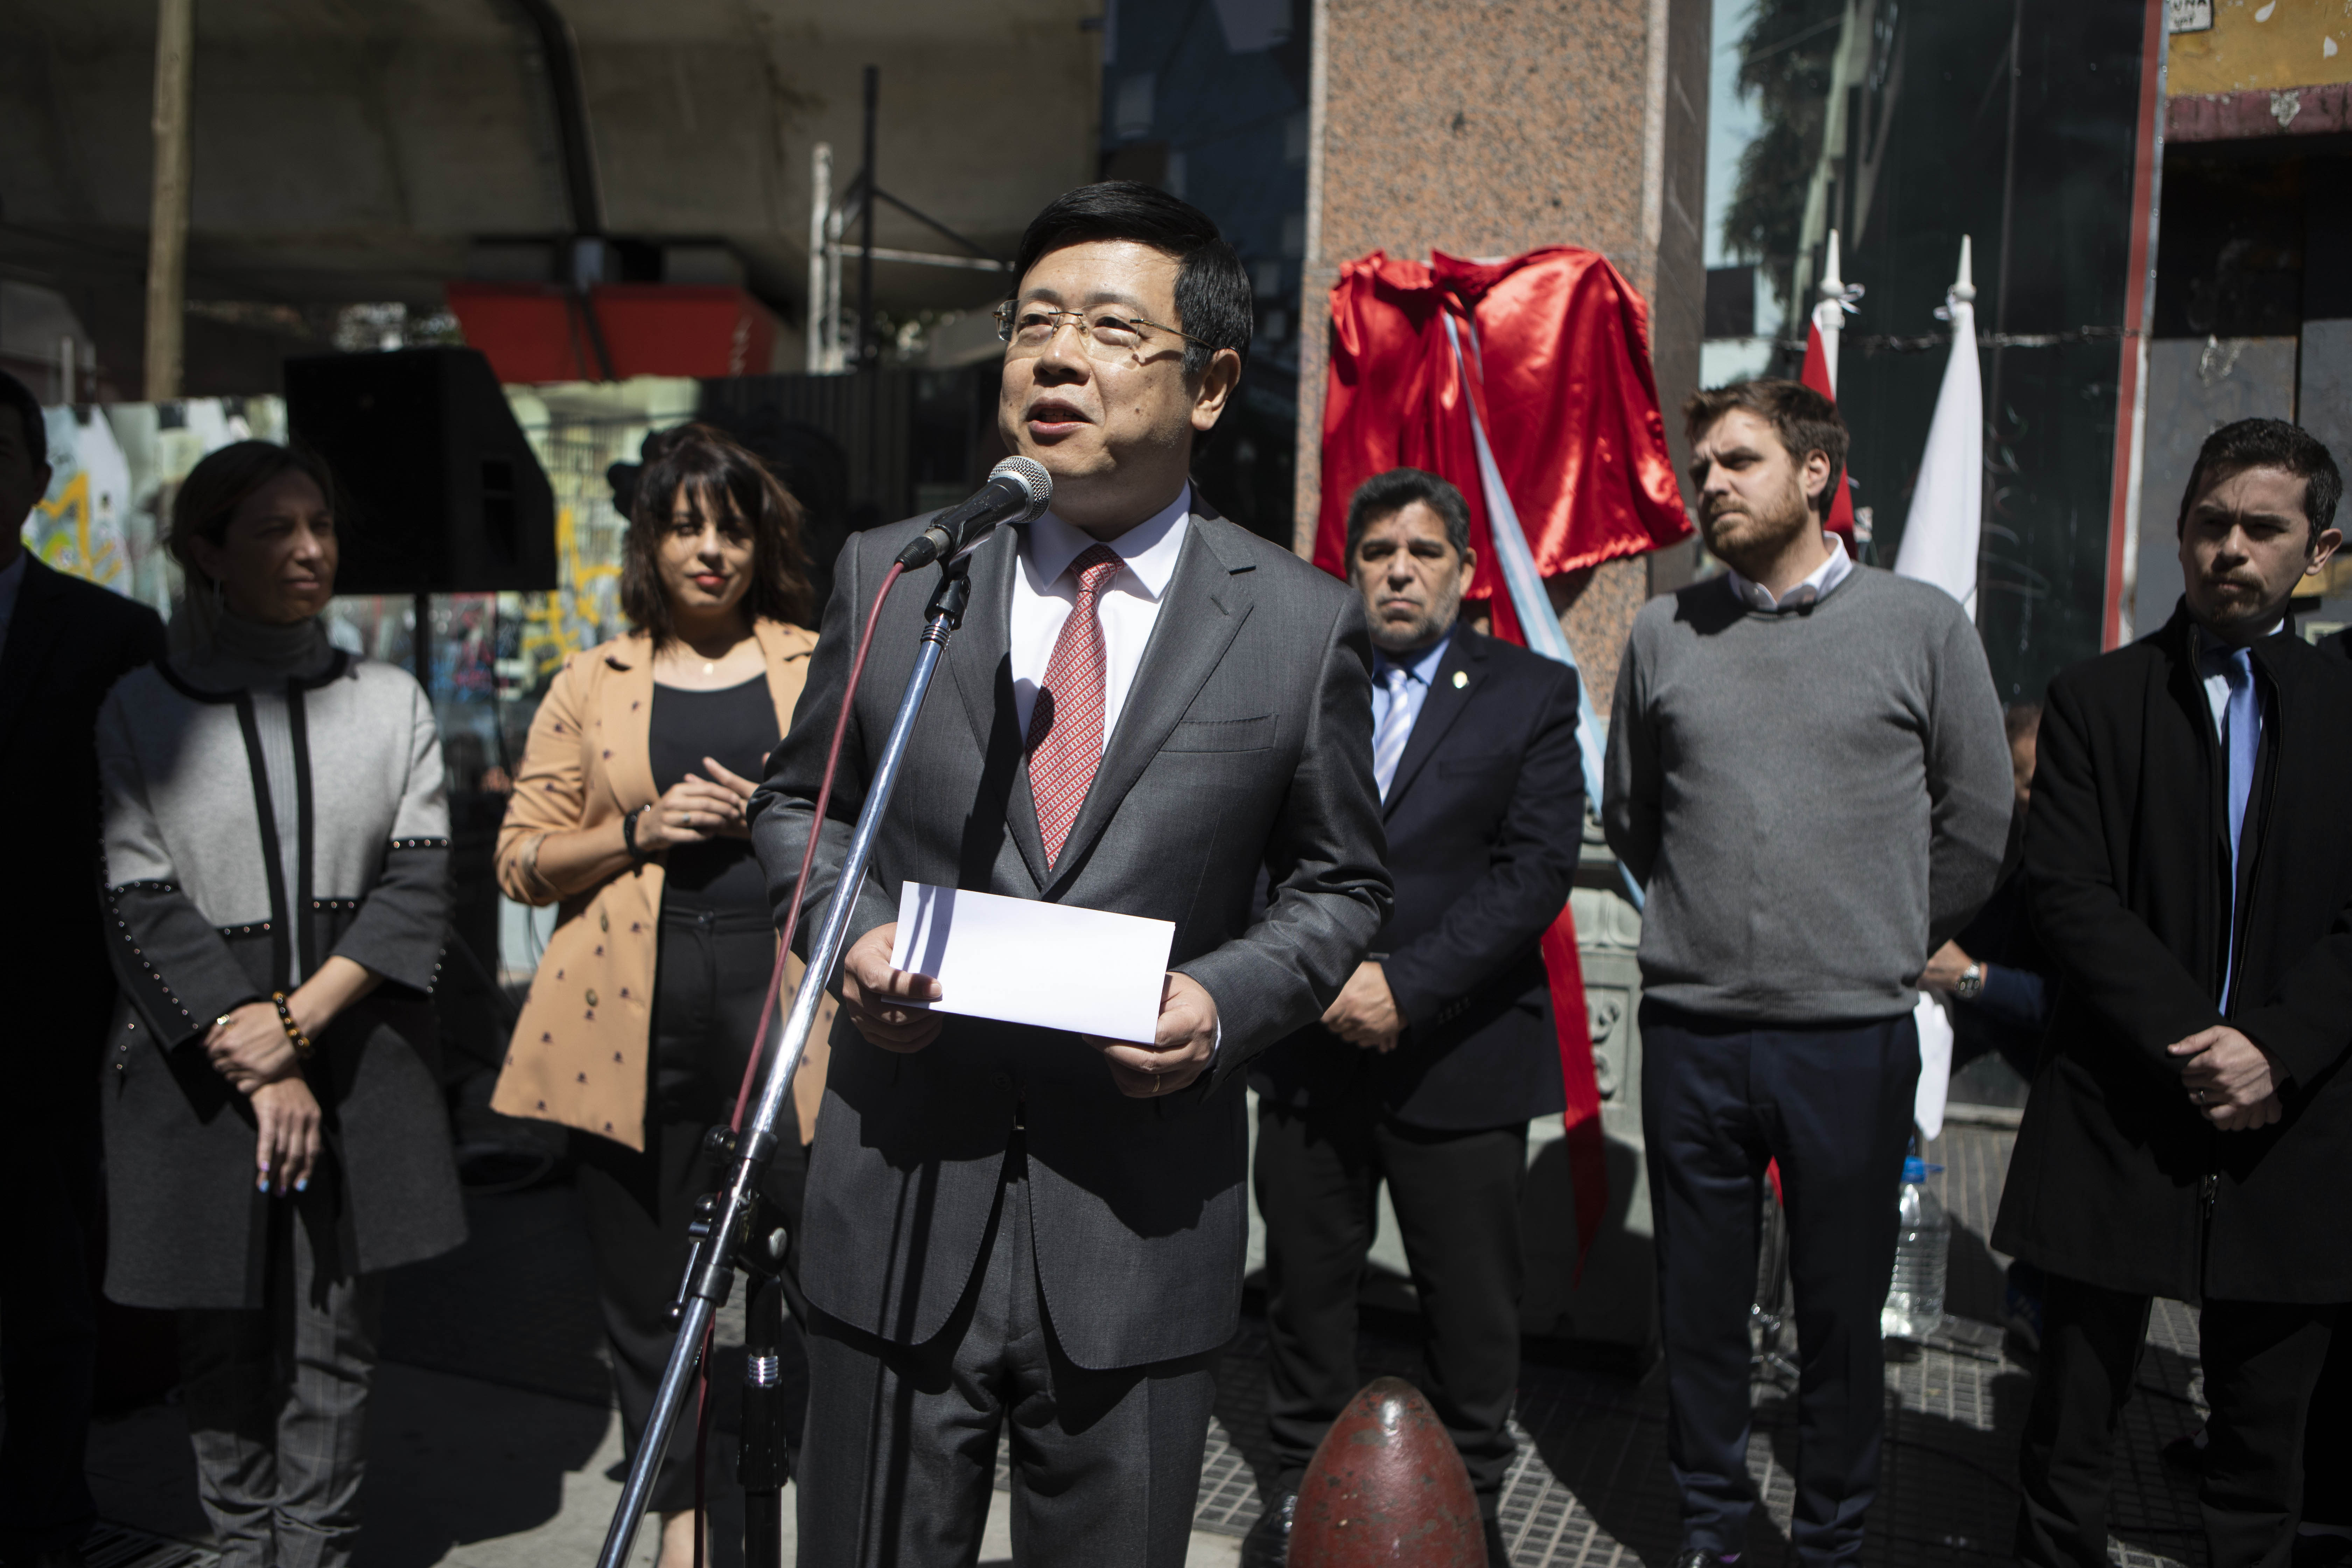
(1555, 346)
(1560, 347)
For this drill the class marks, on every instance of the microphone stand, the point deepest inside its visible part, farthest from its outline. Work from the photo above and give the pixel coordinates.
(720, 1243)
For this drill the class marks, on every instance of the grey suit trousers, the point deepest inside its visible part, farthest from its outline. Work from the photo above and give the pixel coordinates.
(277, 1399)
(901, 1453)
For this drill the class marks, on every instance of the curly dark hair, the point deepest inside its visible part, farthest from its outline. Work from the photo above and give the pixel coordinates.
(717, 473)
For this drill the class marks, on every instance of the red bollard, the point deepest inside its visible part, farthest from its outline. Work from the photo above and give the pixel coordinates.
(1387, 1487)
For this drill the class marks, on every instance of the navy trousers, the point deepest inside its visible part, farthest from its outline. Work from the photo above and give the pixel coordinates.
(1833, 1103)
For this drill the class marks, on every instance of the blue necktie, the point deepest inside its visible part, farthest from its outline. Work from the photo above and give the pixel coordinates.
(2242, 733)
(1396, 728)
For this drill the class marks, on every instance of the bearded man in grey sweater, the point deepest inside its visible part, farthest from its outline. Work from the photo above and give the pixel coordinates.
(1807, 770)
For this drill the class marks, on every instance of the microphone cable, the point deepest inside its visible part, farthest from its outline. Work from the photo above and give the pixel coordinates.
(702, 1408)
(808, 852)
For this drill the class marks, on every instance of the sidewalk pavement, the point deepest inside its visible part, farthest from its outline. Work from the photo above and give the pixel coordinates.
(493, 1445)
(461, 1474)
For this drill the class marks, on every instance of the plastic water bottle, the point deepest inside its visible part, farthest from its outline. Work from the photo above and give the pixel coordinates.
(1915, 1301)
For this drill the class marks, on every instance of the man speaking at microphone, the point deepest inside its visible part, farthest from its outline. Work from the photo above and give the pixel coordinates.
(1145, 706)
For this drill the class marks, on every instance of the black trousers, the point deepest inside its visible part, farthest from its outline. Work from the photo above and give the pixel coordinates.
(1106, 1462)
(1833, 1103)
(48, 1336)
(710, 979)
(1457, 1196)
(2328, 1436)
(2262, 1360)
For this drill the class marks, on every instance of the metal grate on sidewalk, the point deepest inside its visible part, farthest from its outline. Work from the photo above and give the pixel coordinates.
(116, 1546)
(1590, 1485)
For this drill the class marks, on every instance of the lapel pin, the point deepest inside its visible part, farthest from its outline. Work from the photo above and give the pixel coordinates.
(1461, 679)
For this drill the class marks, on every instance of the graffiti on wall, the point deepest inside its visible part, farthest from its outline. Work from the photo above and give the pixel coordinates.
(115, 470)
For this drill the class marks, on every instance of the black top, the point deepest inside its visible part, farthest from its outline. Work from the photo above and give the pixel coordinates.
(1486, 818)
(69, 642)
(737, 727)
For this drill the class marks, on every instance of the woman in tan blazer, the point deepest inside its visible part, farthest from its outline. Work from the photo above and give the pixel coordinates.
(629, 813)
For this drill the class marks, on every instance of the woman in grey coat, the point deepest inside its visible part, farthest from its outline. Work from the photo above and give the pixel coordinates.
(277, 847)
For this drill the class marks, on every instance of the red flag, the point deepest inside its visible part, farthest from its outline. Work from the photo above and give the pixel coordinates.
(1817, 376)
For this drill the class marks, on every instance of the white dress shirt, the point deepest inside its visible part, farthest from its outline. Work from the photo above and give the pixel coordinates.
(2206, 649)
(1043, 593)
(1824, 577)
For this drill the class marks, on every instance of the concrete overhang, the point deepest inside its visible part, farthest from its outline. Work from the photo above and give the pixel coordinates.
(367, 152)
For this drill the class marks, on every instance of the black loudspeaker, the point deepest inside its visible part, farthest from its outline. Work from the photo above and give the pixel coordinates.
(440, 492)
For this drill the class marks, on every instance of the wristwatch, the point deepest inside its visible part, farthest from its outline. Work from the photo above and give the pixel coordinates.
(1971, 982)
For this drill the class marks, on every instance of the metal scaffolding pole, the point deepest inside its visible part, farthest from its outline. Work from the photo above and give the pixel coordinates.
(821, 319)
(167, 231)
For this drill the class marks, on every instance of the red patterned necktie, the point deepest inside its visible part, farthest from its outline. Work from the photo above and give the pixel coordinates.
(1066, 728)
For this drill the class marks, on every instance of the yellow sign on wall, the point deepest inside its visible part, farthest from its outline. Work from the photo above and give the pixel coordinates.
(2257, 44)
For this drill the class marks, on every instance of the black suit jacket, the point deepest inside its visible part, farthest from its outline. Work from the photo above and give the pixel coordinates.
(1486, 818)
(2116, 1178)
(1245, 741)
(68, 643)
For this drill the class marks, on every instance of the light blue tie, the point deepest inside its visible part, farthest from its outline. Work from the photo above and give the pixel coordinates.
(1396, 728)
(2242, 734)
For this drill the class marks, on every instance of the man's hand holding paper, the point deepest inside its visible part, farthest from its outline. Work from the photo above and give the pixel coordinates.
(885, 1002)
(1181, 1049)
(1101, 976)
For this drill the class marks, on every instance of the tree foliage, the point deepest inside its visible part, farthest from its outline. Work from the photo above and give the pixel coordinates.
(1785, 63)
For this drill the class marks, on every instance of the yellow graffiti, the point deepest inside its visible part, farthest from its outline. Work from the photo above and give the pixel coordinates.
(71, 551)
(558, 624)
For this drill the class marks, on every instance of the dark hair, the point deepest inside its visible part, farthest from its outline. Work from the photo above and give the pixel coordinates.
(16, 394)
(1805, 421)
(2267, 444)
(1212, 291)
(1385, 495)
(2021, 721)
(222, 481)
(707, 465)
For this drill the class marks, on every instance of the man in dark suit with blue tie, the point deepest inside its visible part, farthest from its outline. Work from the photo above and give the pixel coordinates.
(2190, 862)
(1426, 1070)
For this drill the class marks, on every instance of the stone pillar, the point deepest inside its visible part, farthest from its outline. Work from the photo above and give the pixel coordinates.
(1485, 131)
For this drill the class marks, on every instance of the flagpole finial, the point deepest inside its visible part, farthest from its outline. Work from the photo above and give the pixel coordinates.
(1832, 285)
(1965, 288)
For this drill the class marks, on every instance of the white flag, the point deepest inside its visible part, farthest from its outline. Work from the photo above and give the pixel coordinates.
(1940, 537)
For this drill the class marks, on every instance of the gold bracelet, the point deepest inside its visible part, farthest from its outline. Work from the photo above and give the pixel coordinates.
(293, 1031)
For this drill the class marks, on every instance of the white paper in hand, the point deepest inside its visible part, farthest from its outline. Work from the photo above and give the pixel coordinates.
(1023, 962)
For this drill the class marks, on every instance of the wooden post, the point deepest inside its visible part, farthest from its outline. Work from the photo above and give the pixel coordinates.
(167, 237)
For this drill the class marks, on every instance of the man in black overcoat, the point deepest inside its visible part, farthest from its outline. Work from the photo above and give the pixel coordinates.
(2192, 873)
(63, 645)
(1426, 1070)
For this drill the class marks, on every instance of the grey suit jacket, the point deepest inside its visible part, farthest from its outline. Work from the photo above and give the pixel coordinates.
(1245, 743)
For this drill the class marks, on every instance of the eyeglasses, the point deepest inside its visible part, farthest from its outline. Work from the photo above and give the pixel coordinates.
(1108, 337)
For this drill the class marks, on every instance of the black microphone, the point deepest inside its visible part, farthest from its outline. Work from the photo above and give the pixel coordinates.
(1018, 490)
